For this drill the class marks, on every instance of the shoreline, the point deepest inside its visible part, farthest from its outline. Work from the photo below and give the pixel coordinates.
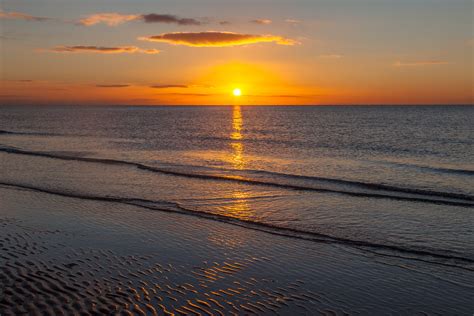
(84, 256)
(448, 260)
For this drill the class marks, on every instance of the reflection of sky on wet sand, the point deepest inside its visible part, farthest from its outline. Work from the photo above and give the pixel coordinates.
(227, 241)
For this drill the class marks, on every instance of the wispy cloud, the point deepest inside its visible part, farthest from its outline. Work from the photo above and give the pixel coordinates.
(168, 18)
(103, 50)
(21, 80)
(150, 51)
(114, 19)
(22, 16)
(110, 19)
(331, 56)
(292, 21)
(297, 96)
(189, 94)
(216, 39)
(167, 86)
(112, 85)
(420, 63)
(262, 21)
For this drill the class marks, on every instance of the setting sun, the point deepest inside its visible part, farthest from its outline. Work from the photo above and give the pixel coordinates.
(237, 92)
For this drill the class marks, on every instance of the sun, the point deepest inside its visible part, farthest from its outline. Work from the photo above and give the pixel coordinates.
(237, 92)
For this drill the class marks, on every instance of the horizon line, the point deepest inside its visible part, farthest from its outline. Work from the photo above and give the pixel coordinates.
(232, 105)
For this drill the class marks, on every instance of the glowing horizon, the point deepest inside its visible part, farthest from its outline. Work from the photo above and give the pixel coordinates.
(348, 53)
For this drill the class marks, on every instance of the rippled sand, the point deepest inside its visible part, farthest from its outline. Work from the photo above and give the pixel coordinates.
(64, 256)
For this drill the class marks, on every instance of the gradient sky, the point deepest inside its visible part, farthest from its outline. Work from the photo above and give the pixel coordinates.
(151, 52)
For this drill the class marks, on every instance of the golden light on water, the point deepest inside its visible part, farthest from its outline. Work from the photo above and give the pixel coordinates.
(240, 208)
(236, 137)
(237, 123)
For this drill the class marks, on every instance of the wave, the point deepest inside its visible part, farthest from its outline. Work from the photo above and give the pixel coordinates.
(4, 132)
(375, 186)
(292, 142)
(449, 170)
(373, 190)
(444, 258)
(353, 188)
(430, 168)
(310, 144)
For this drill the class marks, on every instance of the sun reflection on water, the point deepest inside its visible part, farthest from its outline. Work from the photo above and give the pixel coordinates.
(239, 207)
(236, 138)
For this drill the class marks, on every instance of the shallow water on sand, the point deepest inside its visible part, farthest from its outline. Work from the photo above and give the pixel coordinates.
(63, 255)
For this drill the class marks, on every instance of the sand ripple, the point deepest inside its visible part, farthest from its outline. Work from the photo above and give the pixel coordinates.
(91, 282)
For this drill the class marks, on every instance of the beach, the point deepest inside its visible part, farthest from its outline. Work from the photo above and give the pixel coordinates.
(63, 255)
(106, 218)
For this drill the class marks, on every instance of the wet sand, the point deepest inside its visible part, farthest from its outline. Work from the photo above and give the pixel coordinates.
(65, 256)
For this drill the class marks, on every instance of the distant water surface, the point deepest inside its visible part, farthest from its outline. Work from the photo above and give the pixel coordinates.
(396, 181)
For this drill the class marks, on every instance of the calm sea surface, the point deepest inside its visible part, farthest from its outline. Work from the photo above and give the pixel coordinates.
(393, 181)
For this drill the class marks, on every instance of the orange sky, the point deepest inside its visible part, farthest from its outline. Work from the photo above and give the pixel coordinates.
(295, 52)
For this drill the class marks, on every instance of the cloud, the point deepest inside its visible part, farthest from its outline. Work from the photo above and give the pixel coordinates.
(331, 56)
(168, 18)
(216, 39)
(150, 51)
(22, 16)
(292, 21)
(166, 86)
(111, 19)
(225, 23)
(102, 50)
(262, 21)
(296, 96)
(21, 80)
(189, 94)
(114, 19)
(112, 85)
(420, 63)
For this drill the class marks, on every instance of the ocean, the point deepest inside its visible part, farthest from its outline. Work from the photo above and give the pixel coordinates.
(389, 181)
